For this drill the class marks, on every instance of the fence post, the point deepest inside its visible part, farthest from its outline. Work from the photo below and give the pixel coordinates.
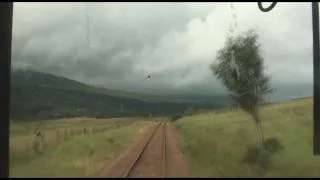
(39, 142)
(65, 134)
(58, 137)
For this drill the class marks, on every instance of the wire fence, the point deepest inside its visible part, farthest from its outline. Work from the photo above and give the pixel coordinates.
(46, 139)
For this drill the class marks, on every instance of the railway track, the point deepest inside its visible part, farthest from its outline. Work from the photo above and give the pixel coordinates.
(156, 143)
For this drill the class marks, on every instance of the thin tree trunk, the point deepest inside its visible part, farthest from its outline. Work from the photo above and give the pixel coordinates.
(260, 137)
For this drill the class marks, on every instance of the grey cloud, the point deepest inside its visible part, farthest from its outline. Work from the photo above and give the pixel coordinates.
(173, 42)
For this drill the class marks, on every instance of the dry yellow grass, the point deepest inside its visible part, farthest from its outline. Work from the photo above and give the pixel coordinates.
(79, 155)
(216, 143)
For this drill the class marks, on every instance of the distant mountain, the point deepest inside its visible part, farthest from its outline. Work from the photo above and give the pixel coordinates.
(37, 95)
(29, 77)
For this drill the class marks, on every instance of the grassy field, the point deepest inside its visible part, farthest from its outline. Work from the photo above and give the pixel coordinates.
(69, 152)
(216, 143)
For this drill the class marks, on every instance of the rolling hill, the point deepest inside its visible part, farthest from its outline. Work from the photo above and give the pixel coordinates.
(222, 143)
(37, 95)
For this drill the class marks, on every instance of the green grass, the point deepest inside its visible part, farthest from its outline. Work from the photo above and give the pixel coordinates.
(79, 156)
(216, 143)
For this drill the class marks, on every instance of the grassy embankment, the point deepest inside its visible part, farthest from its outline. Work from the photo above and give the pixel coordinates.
(216, 143)
(76, 155)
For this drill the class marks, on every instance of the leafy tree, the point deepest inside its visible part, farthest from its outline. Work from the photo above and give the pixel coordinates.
(239, 66)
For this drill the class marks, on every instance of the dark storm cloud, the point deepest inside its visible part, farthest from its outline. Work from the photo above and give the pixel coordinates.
(172, 42)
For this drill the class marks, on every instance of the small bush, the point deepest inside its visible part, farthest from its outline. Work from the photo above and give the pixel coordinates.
(254, 156)
(176, 117)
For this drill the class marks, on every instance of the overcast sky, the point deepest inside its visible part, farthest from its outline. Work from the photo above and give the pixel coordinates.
(173, 42)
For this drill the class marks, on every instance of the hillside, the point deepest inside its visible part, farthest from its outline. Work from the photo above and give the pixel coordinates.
(222, 143)
(29, 77)
(36, 95)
